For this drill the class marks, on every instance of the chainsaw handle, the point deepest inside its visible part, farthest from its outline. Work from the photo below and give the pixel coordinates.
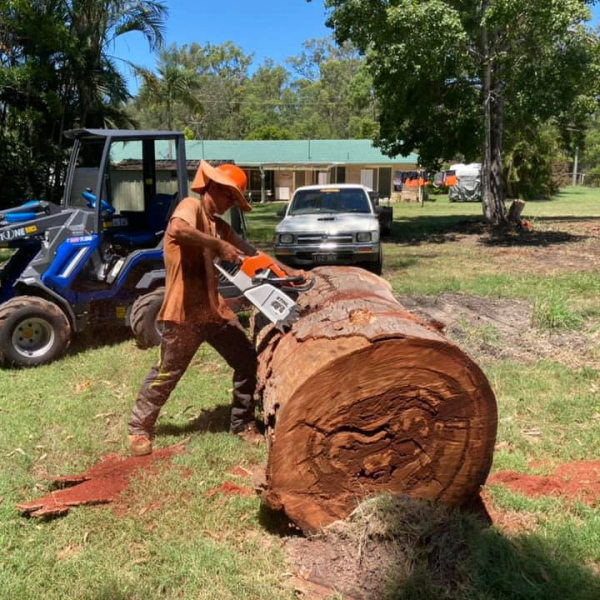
(278, 280)
(299, 288)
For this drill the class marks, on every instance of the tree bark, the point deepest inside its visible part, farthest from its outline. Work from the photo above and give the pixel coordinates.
(493, 110)
(361, 397)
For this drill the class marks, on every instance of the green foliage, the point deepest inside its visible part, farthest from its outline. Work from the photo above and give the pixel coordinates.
(57, 73)
(551, 311)
(438, 65)
(269, 132)
(535, 163)
(325, 92)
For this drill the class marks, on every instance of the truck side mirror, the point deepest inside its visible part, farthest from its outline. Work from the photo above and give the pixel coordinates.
(281, 213)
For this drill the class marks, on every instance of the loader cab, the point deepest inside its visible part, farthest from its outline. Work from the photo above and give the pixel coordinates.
(131, 180)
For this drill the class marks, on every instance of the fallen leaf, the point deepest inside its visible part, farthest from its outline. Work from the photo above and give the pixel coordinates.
(69, 551)
(15, 451)
(534, 432)
(43, 456)
(84, 385)
(504, 446)
(103, 415)
(182, 412)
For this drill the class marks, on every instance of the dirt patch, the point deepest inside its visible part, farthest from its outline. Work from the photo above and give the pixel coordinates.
(385, 542)
(494, 328)
(511, 522)
(572, 481)
(100, 484)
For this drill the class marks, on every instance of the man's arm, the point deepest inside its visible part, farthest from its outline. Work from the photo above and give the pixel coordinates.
(239, 242)
(249, 250)
(186, 235)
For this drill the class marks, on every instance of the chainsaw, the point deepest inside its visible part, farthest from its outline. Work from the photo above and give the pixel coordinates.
(267, 286)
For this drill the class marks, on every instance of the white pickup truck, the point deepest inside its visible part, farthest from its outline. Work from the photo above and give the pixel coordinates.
(333, 224)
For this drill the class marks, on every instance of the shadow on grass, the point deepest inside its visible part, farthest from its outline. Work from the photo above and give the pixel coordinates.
(508, 238)
(397, 548)
(440, 230)
(568, 218)
(213, 419)
(276, 522)
(98, 338)
(495, 567)
(434, 230)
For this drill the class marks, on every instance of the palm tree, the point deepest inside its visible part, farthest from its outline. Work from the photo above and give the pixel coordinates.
(94, 27)
(172, 84)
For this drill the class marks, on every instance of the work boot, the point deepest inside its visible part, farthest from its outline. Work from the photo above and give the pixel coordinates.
(250, 434)
(140, 445)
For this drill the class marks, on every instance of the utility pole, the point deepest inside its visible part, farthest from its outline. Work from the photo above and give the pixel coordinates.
(263, 190)
(575, 165)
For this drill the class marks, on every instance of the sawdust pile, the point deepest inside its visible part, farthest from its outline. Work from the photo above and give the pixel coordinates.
(102, 483)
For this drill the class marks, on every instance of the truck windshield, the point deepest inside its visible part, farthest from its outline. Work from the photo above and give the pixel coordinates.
(353, 200)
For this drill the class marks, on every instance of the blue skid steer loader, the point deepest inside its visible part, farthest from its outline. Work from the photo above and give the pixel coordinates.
(96, 259)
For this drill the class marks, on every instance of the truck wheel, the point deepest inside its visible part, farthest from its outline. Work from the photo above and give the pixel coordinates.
(33, 331)
(144, 311)
(375, 267)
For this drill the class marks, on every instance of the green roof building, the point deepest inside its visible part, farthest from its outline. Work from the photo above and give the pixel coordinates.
(276, 168)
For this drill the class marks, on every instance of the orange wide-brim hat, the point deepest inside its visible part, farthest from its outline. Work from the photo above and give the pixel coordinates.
(206, 173)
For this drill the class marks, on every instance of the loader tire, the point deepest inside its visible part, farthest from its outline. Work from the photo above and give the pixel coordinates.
(33, 331)
(144, 311)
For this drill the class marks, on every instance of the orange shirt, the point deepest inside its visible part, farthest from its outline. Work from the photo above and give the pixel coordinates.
(191, 282)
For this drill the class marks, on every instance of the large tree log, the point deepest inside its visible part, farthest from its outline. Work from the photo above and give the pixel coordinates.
(362, 397)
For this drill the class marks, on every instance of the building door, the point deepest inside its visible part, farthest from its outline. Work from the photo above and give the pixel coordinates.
(366, 177)
(340, 175)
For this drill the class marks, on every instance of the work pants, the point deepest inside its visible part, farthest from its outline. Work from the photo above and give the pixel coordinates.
(179, 344)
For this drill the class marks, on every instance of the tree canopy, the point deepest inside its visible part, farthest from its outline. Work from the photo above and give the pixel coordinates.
(57, 73)
(466, 76)
(324, 92)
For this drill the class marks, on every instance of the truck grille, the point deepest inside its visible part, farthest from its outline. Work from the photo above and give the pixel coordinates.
(317, 238)
(339, 256)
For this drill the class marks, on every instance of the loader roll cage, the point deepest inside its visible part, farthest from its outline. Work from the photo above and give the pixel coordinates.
(107, 138)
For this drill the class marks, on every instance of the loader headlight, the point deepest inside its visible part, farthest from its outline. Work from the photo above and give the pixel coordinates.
(286, 238)
(363, 236)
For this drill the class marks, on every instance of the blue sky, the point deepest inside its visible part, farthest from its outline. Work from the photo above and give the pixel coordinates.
(268, 28)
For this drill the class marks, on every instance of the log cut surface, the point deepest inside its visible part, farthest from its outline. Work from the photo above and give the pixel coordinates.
(361, 397)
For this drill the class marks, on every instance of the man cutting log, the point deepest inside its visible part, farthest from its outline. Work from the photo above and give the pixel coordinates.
(193, 311)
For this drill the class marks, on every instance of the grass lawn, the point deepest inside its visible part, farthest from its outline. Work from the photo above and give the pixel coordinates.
(176, 538)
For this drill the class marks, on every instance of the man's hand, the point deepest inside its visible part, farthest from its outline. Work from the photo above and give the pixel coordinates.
(294, 272)
(229, 253)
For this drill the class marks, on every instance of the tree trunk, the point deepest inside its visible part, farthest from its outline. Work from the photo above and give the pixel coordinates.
(493, 105)
(361, 397)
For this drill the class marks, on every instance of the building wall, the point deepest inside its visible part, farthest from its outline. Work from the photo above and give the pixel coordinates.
(128, 192)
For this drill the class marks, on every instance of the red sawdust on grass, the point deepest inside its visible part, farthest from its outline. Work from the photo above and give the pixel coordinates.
(100, 484)
(239, 471)
(574, 481)
(230, 489)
